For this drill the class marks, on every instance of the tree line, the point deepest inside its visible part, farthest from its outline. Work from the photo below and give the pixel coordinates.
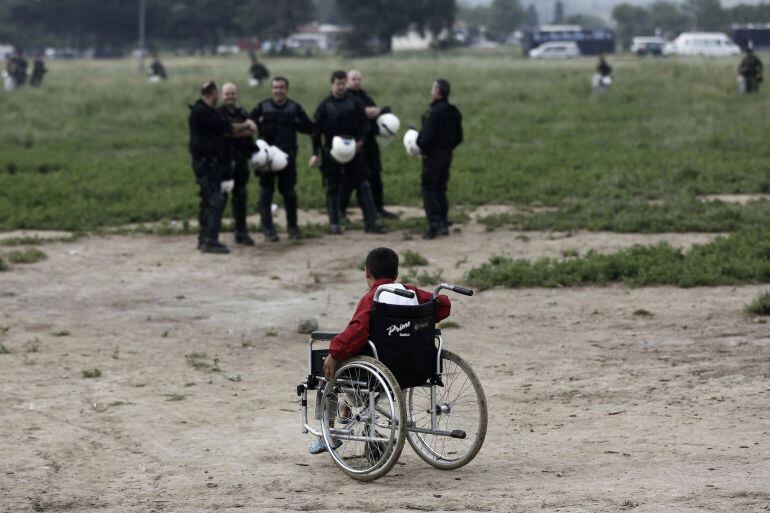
(111, 26)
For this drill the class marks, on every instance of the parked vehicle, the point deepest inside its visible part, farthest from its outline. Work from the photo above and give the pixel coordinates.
(554, 50)
(702, 43)
(647, 45)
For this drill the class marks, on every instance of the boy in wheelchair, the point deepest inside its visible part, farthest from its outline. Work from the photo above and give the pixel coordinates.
(381, 268)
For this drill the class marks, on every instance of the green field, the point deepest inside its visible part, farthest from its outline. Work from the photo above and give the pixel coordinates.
(99, 146)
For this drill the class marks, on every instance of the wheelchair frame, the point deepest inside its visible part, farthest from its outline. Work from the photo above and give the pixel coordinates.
(318, 383)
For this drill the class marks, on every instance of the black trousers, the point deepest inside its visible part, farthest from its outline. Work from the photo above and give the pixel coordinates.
(435, 177)
(287, 180)
(373, 164)
(353, 175)
(240, 201)
(209, 174)
(752, 84)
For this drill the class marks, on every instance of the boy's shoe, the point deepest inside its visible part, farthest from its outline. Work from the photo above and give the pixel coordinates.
(318, 445)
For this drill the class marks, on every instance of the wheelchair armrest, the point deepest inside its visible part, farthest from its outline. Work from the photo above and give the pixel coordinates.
(322, 335)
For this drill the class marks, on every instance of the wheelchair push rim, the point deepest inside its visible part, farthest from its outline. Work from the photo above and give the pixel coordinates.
(371, 431)
(460, 405)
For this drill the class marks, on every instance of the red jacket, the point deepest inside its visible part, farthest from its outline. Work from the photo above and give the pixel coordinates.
(355, 336)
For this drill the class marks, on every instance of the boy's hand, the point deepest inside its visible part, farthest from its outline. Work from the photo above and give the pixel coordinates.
(330, 365)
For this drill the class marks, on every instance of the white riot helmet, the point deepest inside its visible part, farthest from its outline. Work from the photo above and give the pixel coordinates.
(343, 149)
(388, 124)
(606, 81)
(277, 159)
(260, 159)
(410, 142)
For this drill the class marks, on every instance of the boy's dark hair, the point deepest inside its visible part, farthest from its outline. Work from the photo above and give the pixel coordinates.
(443, 88)
(208, 87)
(382, 263)
(337, 75)
(282, 79)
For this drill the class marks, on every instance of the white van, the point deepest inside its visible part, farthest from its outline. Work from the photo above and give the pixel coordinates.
(702, 43)
(556, 50)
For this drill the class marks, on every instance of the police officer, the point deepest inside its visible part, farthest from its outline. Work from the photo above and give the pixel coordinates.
(341, 114)
(371, 150)
(209, 133)
(441, 133)
(751, 71)
(603, 69)
(38, 70)
(257, 70)
(17, 68)
(278, 120)
(239, 150)
(157, 69)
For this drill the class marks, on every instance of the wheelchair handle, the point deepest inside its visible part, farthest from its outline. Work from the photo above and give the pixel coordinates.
(454, 288)
(393, 290)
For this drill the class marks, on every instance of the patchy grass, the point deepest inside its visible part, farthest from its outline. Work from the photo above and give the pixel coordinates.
(760, 305)
(32, 345)
(448, 325)
(4, 350)
(3, 265)
(61, 333)
(743, 257)
(641, 312)
(27, 256)
(91, 373)
(34, 240)
(413, 259)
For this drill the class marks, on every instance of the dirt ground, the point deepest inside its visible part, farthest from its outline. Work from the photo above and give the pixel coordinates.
(593, 405)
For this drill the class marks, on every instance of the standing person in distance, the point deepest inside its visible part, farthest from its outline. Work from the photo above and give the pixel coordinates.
(257, 70)
(209, 133)
(38, 70)
(341, 114)
(371, 149)
(157, 70)
(441, 133)
(278, 120)
(240, 150)
(751, 71)
(17, 68)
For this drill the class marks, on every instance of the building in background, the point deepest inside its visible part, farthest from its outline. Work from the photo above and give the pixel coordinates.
(317, 37)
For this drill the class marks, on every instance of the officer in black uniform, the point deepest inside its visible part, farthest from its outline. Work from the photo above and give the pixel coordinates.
(278, 121)
(341, 114)
(38, 70)
(603, 69)
(157, 69)
(751, 71)
(441, 133)
(240, 150)
(17, 68)
(371, 150)
(257, 70)
(209, 133)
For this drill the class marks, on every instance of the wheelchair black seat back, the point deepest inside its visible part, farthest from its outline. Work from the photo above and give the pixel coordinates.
(404, 338)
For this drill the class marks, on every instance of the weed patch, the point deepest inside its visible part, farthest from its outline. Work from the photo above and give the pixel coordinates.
(28, 256)
(743, 257)
(91, 373)
(413, 259)
(761, 305)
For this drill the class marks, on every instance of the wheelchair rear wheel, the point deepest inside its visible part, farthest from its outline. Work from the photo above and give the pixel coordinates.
(365, 406)
(460, 406)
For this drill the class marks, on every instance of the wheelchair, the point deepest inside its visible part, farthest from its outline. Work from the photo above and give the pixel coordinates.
(404, 387)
